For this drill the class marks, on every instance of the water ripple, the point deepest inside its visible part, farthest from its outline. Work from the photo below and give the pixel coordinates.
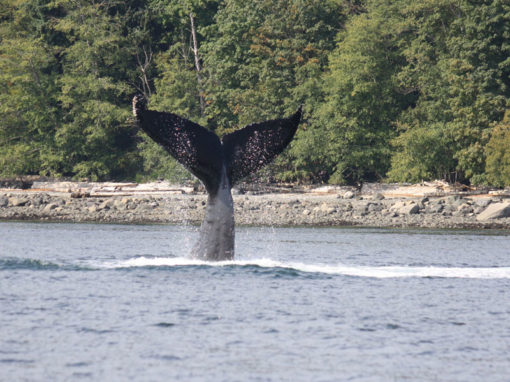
(32, 264)
(164, 324)
(16, 263)
(16, 360)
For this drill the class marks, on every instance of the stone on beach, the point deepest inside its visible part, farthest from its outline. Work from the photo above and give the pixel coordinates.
(406, 208)
(349, 195)
(273, 208)
(325, 208)
(495, 211)
(49, 207)
(18, 202)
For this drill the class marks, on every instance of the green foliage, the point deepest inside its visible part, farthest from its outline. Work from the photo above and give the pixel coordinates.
(497, 152)
(159, 165)
(178, 89)
(392, 90)
(28, 70)
(362, 101)
(264, 58)
(65, 71)
(94, 87)
(456, 62)
(422, 155)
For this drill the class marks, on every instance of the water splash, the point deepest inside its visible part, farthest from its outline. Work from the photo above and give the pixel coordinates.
(338, 269)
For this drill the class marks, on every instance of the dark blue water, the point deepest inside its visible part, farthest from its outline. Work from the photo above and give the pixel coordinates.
(122, 302)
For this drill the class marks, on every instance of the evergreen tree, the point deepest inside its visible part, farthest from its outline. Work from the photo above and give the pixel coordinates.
(392, 90)
(177, 86)
(356, 121)
(497, 152)
(29, 70)
(263, 59)
(457, 63)
(99, 64)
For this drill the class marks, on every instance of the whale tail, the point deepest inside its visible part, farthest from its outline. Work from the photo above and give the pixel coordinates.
(204, 155)
(218, 164)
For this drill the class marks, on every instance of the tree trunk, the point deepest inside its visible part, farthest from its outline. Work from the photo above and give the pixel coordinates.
(197, 64)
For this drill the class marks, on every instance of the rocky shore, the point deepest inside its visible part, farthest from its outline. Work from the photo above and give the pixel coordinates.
(326, 206)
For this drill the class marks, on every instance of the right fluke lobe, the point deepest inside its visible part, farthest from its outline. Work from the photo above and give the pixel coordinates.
(256, 145)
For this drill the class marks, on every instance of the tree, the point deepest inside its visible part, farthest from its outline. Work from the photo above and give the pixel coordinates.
(176, 82)
(265, 58)
(392, 90)
(99, 69)
(262, 58)
(28, 83)
(457, 63)
(362, 99)
(497, 152)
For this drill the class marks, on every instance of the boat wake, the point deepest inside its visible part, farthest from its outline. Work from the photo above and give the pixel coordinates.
(338, 269)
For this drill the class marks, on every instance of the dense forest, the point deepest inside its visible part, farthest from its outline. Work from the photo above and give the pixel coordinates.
(393, 90)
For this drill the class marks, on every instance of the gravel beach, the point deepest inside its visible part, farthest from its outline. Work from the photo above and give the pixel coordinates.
(375, 206)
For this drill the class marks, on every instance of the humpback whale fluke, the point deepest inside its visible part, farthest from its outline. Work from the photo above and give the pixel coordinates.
(218, 164)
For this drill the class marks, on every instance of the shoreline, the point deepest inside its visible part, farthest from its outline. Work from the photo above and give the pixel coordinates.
(161, 203)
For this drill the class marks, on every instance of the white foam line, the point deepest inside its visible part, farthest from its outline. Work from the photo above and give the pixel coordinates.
(339, 269)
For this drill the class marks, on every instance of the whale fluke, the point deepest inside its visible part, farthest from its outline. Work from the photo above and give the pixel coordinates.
(256, 145)
(218, 164)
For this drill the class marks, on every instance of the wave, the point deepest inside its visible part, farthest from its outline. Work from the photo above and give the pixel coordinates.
(15, 263)
(32, 264)
(289, 268)
(338, 269)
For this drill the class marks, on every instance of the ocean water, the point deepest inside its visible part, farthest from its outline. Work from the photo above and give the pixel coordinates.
(124, 302)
